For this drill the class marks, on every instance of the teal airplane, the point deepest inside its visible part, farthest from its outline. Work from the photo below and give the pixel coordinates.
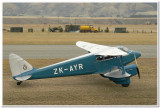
(109, 62)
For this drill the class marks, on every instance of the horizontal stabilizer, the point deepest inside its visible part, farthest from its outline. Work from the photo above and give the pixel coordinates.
(23, 78)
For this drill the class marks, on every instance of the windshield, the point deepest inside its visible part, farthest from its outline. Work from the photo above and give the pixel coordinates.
(123, 48)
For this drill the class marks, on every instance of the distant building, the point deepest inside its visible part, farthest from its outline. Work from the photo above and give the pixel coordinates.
(16, 29)
(120, 30)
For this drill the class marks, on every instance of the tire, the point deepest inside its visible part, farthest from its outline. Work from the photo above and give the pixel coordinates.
(125, 85)
(102, 75)
(19, 83)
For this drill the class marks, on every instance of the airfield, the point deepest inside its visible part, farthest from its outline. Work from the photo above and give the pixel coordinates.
(66, 51)
(81, 90)
(41, 49)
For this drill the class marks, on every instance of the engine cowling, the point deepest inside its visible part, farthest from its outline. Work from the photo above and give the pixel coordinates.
(129, 69)
(124, 81)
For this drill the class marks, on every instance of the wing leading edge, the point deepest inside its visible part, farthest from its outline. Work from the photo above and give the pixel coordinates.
(101, 49)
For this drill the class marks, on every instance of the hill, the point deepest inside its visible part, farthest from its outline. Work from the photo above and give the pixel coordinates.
(80, 9)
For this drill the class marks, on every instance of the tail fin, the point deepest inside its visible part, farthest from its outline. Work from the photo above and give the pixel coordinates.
(18, 65)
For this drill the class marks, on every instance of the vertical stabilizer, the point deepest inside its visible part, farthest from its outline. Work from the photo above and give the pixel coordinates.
(18, 65)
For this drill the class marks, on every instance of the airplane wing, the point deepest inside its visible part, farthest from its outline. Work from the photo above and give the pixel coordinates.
(101, 49)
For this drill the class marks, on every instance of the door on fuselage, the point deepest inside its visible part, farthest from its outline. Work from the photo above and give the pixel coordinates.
(105, 63)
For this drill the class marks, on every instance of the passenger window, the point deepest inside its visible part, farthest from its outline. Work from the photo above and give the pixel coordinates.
(108, 57)
(104, 58)
(100, 58)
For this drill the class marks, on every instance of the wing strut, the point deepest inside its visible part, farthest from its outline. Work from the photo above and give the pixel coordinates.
(121, 64)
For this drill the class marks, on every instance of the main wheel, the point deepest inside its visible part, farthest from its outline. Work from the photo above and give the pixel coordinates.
(19, 83)
(125, 85)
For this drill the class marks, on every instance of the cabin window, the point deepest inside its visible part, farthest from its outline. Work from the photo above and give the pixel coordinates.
(108, 57)
(100, 58)
(104, 58)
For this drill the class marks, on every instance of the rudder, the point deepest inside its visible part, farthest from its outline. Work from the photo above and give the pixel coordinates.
(18, 65)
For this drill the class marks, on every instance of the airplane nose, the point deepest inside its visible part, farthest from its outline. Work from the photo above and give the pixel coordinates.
(137, 54)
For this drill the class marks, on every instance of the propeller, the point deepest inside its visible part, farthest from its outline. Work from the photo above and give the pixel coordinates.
(137, 66)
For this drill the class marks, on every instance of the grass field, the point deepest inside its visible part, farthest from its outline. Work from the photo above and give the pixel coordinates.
(49, 38)
(81, 90)
(71, 38)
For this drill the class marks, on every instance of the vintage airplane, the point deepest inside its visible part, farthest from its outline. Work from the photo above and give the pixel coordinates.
(109, 62)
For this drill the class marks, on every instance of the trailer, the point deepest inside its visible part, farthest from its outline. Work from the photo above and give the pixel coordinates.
(120, 30)
(72, 28)
(16, 29)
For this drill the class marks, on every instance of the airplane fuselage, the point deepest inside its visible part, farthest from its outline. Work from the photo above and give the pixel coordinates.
(82, 65)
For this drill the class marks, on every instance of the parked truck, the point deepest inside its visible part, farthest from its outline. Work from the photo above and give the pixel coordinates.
(72, 28)
(88, 28)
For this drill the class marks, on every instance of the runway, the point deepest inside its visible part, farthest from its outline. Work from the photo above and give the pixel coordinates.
(66, 51)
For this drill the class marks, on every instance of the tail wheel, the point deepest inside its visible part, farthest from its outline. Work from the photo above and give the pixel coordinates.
(125, 85)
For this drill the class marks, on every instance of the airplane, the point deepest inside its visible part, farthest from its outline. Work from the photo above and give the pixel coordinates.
(109, 62)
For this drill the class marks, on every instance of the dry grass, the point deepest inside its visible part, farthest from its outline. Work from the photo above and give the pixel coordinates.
(81, 90)
(70, 38)
(46, 38)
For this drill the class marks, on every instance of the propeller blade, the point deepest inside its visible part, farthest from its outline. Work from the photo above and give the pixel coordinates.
(137, 66)
(135, 59)
(138, 73)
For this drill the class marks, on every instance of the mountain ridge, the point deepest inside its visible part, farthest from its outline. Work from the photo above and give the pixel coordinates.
(79, 9)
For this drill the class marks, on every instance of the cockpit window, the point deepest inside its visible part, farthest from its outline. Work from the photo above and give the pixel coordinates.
(125, 49)
(100, 58)
(108, 57)
(104, 57)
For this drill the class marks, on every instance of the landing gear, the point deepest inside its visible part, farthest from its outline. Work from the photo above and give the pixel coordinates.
(19, 82)
(125, 85)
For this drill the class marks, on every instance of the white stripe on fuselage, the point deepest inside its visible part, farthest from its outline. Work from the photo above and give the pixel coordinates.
(68, 60)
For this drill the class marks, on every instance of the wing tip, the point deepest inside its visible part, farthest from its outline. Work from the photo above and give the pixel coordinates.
(79, 42)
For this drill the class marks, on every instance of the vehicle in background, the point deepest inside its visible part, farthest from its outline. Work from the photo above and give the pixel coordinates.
(72, 28)
(88, 28)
